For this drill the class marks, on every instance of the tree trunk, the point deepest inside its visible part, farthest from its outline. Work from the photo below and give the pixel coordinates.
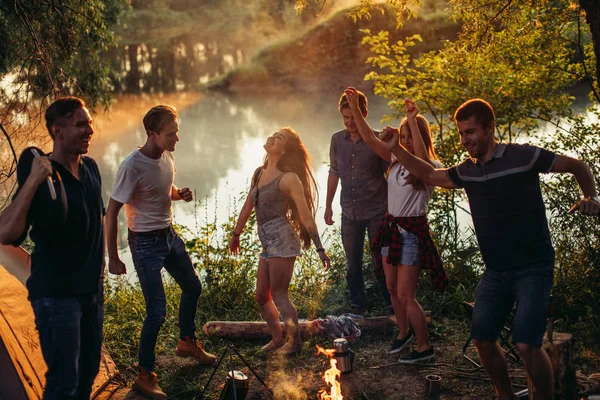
(189, 69)
(132, 82)
(592, 17)
(154, 78)
(259, 329)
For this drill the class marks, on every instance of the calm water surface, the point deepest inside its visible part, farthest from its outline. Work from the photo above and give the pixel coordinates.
(221, 144)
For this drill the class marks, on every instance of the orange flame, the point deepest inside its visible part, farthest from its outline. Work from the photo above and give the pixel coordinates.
(331, 377)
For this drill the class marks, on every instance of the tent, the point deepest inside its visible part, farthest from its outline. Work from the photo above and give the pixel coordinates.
(21, 362)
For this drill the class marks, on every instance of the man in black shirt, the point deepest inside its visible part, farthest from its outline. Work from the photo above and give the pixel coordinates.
(65, 286)
(509, 217)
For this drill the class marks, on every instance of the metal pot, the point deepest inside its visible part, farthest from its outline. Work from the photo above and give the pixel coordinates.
(343, 355)
(236, 387)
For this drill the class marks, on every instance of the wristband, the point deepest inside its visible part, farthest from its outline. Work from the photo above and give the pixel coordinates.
(235, 234)
(320, 249)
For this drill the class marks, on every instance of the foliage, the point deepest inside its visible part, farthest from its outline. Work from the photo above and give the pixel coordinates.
(49, 48)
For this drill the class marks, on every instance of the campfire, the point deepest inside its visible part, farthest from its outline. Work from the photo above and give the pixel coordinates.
(331, 377)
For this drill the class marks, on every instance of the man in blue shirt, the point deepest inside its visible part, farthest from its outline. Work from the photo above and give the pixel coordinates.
(363, 198)
(502, 184)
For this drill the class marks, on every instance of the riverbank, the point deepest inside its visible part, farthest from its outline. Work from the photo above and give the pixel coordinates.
(330, 56)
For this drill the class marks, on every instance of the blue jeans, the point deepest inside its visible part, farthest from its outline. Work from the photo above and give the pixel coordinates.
(353, 238)
(410, 249)
(70, 331)
(150, 254)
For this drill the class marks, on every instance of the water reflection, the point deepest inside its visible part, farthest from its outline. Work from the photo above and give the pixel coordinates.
(220, 146)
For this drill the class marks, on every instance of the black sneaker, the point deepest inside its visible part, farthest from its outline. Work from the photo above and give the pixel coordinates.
(399, 344)
(416, 356)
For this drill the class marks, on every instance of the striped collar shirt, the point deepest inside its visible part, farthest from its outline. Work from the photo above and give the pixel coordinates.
(507, 205)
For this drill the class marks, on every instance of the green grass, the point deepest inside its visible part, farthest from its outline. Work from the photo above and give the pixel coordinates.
(228, 294)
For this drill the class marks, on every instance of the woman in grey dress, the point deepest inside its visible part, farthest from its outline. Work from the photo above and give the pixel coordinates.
(282, 192)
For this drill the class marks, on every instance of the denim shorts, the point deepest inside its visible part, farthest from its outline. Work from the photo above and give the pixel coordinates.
(410, 248)
(278, 239)
(498, 291)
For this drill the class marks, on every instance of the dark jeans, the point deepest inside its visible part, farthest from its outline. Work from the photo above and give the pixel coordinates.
(353, 238)
(499, 290)
(150, 254)
(71, 339)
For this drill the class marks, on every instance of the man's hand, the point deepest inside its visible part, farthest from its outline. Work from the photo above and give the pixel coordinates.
(587, 206)
(325, 260)
(352, 96)
(390, 138)
(41, 168)
(329, 216)
(116, 266)
(185, 194)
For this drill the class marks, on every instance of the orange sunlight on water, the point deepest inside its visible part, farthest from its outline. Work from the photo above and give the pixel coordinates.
(129, 110)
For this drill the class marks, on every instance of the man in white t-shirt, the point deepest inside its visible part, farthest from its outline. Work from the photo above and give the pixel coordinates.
(144, 183)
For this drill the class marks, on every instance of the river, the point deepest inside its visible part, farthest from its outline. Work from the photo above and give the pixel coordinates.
(221, 144)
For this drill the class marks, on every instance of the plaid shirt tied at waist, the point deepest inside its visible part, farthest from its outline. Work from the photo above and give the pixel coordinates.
(389, 235)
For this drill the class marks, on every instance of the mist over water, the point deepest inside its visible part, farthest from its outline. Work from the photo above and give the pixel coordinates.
(221, 144)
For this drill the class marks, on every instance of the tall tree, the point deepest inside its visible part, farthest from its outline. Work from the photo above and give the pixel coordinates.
(50, 48)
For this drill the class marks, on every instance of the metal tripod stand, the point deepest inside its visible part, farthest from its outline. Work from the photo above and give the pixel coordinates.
(230, 350)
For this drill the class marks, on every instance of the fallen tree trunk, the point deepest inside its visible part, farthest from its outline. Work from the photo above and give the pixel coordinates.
(259, 329)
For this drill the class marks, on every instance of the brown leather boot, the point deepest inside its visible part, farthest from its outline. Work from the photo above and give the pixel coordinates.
(147, 383)
(191, 347)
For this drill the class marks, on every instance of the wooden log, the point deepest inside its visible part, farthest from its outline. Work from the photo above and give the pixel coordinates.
(251, 329)
(560, 351)
(259, 329)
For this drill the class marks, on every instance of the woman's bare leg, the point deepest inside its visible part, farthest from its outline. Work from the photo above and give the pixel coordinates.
(391, 279)
(407, 285)
(267, 306)
(280, 275)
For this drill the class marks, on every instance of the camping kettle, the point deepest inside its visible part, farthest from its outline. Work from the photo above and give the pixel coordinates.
(343, 355)
(236, 386)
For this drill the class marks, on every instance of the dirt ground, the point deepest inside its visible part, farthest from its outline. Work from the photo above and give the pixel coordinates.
(301, 377)
(375, 376)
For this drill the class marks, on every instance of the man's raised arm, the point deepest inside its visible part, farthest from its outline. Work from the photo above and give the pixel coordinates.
(417, 167)
(13, 221)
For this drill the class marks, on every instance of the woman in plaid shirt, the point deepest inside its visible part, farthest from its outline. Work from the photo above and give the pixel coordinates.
(404, 240)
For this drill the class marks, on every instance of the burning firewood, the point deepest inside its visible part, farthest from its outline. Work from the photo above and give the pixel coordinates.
(331, 377)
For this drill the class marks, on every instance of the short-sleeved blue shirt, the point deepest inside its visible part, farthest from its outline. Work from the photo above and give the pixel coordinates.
(507, 206)
(362, 174)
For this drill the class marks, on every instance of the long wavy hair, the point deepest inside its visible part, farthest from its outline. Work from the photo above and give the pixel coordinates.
(296, 160)
(425, 132)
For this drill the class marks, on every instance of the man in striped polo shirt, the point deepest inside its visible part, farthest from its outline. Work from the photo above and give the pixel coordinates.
(502, 184)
